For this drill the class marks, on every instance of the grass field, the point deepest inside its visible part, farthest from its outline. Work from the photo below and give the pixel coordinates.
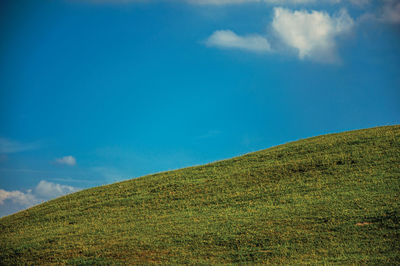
(331, 199)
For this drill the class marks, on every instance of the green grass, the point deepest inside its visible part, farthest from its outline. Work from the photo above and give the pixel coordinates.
(331, 199)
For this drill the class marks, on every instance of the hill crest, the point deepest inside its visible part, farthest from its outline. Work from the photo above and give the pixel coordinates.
(326, 199)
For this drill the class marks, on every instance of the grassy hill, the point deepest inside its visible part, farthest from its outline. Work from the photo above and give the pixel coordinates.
(327, 199)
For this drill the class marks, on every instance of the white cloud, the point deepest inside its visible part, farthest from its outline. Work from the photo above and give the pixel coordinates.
(67, 160)
(12, 201)
(18, 197)
(11, 146)
(313, 34)
(48, 190)
(229, 39)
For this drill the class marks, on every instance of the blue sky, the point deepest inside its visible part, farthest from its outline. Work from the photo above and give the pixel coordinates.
(93, 92)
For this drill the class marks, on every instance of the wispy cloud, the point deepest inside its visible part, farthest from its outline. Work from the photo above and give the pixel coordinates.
(387, 13)
(72, 180)
(12, 146)
(66, 160)
(391, 11)
(360, 3)
(23, 170)
(229, 39)
(313, 34)
(11, 201)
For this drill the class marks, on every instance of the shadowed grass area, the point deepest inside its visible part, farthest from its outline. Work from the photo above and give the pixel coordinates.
(327, 199)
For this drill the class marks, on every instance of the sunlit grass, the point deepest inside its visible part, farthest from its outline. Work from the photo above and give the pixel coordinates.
(328, 199)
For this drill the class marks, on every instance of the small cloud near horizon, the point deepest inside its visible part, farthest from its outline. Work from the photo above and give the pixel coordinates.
(16, 200)
(66, 160)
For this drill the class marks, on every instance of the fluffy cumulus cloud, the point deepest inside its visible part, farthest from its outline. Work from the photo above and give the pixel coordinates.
(12, 201)
(48, 190)
(312, 34)
(18, 197)
(229, 39)
(66, 160)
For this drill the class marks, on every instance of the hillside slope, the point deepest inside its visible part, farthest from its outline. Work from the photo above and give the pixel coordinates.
(327, 199)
